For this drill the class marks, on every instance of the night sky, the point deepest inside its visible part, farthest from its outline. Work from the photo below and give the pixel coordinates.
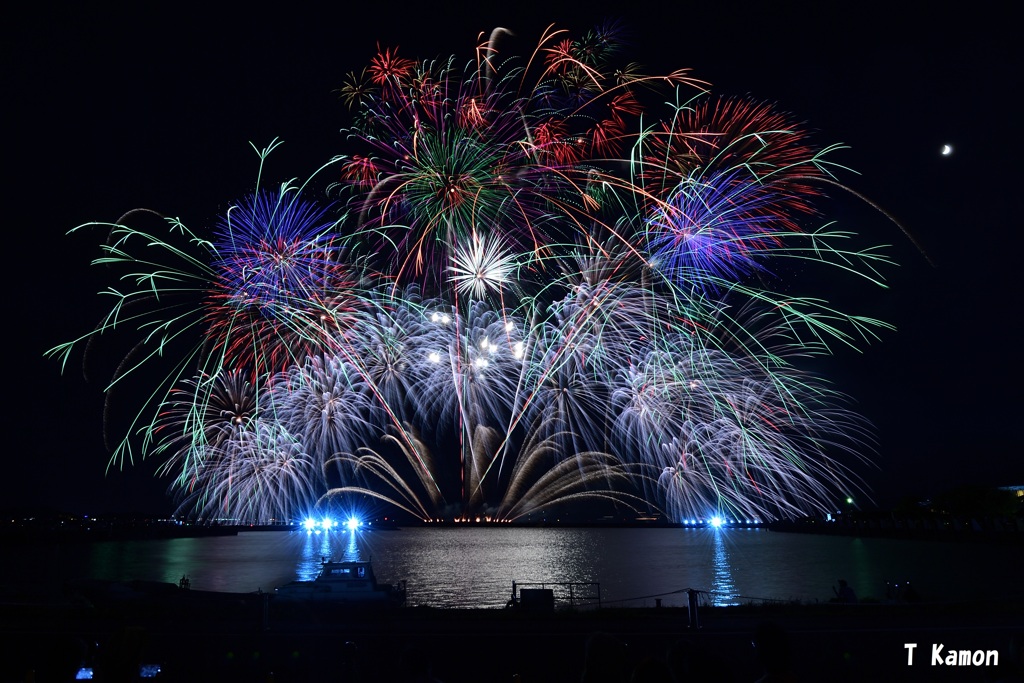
(108, 111)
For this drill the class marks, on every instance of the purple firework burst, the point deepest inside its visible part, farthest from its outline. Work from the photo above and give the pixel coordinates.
(281, 290)
(713, 230)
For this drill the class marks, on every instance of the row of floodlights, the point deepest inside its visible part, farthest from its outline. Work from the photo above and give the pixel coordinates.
(327, 524)
(718, 522)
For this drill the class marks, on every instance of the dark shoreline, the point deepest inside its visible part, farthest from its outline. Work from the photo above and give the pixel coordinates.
(244, 637)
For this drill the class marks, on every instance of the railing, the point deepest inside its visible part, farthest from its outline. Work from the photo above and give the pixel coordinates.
(544, 595)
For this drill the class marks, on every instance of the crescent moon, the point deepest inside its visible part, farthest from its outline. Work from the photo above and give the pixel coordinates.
(947, 150)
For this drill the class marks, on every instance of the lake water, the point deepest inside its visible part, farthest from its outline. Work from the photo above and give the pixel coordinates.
(475, 566)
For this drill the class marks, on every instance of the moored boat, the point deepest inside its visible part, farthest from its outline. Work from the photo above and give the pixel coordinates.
(348, 582)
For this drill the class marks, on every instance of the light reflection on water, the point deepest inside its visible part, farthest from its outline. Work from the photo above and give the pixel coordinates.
(723, 590)
(475, 566)
(320, 546)
(316, 548)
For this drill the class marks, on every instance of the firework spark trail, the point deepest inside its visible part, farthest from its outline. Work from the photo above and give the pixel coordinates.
(261, 474)
(529, 288)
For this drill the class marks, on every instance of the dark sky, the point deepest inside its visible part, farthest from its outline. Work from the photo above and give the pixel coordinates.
(111, 110)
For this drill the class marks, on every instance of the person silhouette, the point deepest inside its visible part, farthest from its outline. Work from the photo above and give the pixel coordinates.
(844, 593)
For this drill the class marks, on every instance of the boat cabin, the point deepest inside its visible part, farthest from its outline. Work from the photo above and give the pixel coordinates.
(346, 570)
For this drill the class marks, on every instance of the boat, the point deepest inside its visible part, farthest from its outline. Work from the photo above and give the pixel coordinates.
(349, 582)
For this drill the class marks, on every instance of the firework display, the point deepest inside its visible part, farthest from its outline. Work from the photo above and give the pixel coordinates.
(527, 281)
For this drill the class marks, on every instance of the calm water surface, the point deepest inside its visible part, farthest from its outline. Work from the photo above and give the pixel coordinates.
(475, 567)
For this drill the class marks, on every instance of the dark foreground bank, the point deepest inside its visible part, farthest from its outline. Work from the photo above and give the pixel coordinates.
(192, 636)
